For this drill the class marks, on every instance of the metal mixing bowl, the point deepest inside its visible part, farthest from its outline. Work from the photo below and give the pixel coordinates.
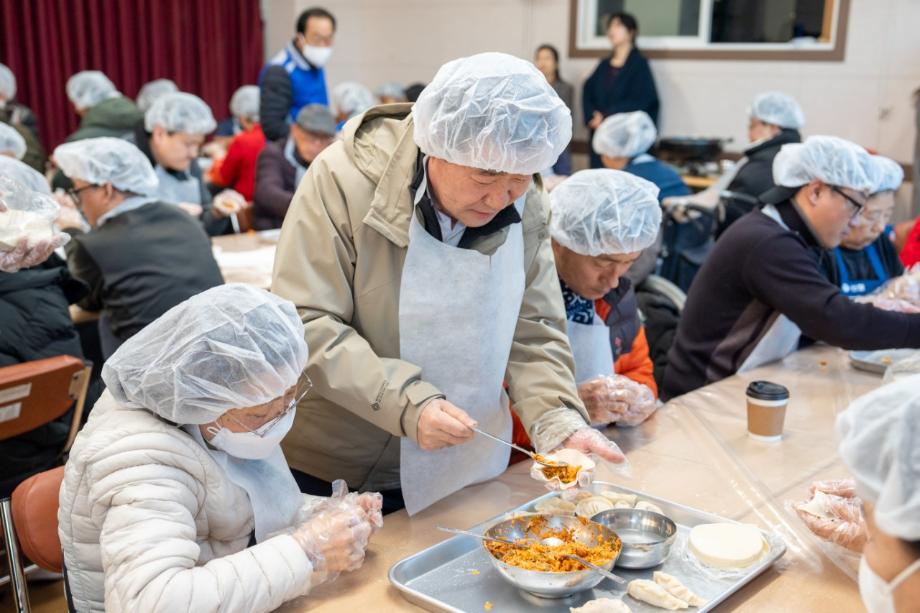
(646, 536)
(549, 584)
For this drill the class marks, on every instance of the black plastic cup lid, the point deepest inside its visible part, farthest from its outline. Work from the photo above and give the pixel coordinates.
(767, 390)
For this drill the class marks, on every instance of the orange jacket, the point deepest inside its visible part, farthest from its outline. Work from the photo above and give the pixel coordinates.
(635, 364)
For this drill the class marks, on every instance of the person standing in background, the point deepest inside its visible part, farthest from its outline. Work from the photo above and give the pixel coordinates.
(295, 78)
(547, 61)
(622, 82)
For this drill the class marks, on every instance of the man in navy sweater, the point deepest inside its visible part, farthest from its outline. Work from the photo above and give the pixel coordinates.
(761, 288)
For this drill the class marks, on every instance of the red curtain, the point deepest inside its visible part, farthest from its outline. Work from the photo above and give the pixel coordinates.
(208, 47)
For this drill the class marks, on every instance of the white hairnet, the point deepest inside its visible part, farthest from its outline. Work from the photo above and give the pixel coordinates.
(492, 111)
(245, 102)
(88, 88)
(7, 82)
(108, 160)
(779, 109)
(878, 442)
(232, 346)
(180, 112)
(18, 196)
(391, 89)
(888, 173)
(625, 135)
(604, 212)
(11, 141)
(24, 174)
(833, 160)
(153, 90)
(352, 98)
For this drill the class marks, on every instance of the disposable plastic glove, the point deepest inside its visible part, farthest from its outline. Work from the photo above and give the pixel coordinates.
(844, 524)
(617, 399)
(335, 541)
(23, 256)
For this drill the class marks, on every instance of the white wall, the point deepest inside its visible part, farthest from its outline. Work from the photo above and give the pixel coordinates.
(866, 98)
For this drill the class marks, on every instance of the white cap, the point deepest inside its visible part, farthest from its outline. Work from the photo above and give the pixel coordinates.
(108, 160)
(11, 141)
(180, 112)
(233, 346)
(391, 89)
(24, 174)
(625, 135)
(492, 111)
(604, 212)
(889, 174)
(878, 436)
(832, 160)
(153, 90)
(17, 196)
(7, 82)
(778, 109)
(351, 98)
(245, 102)
(88, 88)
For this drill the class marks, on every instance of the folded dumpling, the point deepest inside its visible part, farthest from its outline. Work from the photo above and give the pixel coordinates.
(620, 501)
(555, 506)
(589, 507)
(655, 595)
(673, 585)
(648, 506)
(602, 605)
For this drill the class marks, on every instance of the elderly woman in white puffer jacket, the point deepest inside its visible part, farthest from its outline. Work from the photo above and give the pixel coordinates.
(177, 496)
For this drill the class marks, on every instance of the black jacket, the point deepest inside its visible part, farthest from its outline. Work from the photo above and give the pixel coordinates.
(610, 91)
(275, 102)
(34, 313)
(35, 324)
(276, 182)
(757, 271)
(755, 177)
(213, 225)
(141, 263)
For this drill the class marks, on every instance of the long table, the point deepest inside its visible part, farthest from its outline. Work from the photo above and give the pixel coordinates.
(694, 451)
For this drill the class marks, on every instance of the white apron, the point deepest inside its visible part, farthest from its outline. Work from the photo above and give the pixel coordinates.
(271, 487)
(591, 349)
(458, 310)
(174, 191)
(782, 338)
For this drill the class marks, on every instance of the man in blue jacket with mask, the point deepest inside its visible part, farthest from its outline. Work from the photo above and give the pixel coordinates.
(295, 78)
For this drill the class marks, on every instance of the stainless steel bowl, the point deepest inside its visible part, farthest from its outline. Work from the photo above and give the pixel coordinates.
(549, 584)
(646, 536)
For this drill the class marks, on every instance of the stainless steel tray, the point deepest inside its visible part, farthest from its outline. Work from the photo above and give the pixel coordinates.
(878, 361)
(457, 576)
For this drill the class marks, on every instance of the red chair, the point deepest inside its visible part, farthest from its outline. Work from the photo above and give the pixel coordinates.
(33, 394)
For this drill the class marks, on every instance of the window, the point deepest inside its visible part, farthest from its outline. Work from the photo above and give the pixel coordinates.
(717, 29)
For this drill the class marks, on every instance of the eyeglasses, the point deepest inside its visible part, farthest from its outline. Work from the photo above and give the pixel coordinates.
(75, 193)
(296, 394)
(857, 205)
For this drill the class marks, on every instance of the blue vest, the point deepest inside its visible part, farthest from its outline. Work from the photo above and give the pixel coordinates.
(308, 82)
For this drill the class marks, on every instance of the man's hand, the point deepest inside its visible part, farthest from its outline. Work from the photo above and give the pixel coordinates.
(24, 256)
(589, 440)
(596, 120)
(441, 424)
(228, 202)
(191, 208)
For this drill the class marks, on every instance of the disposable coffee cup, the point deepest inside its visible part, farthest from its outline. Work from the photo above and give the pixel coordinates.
(766, 410)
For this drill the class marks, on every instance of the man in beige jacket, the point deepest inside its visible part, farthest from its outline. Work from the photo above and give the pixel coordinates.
(417, 252)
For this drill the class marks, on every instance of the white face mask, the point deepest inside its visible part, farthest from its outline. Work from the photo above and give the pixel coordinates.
(877, 595)
(249, 445)
(318, 56)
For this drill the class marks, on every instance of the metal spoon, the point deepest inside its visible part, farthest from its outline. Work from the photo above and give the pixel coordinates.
(533, 456)
(552, 541)
(481, 536)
